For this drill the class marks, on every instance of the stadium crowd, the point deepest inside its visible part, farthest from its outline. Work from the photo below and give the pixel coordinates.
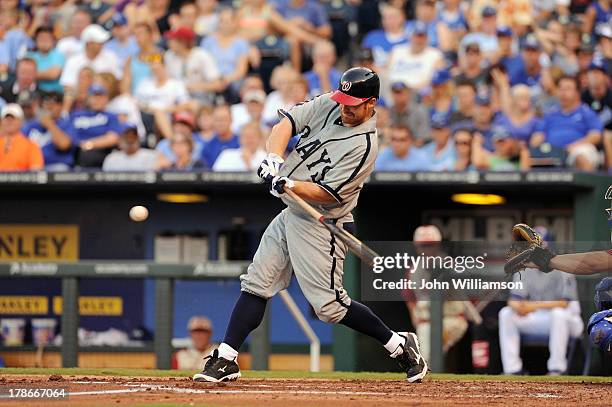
(499, 85)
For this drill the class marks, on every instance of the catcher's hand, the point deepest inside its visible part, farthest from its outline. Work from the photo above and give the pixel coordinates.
(527, 250)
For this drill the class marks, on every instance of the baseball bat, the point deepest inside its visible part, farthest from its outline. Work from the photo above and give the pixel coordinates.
(355, 245)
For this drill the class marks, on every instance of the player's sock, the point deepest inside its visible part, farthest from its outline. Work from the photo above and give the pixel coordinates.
(362, 319)
(227, 352)
(395, 346)
(246, 316)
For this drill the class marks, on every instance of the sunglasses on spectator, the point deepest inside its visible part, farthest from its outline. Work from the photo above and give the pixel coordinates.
(474, 51)
(462, 142)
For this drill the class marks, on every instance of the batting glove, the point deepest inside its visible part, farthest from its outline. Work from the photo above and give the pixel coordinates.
(278, 185)
(270, 167)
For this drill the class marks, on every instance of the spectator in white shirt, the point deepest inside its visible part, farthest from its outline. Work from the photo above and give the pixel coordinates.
(130, 157)
(161, 95)
(248, 156)
(72, 45)
(93, 56)
(193, 65)
(282, 78)
(415, 63)
(253, 102)
(240, 114)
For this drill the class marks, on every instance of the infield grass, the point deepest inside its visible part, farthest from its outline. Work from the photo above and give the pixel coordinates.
(282, 374)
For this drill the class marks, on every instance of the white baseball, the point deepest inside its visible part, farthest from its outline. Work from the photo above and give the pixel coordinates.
(139, 213)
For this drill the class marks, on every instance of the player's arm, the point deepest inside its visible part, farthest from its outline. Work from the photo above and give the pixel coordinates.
(277, 144)
(279, 137)
(583, 263)
(312, 192)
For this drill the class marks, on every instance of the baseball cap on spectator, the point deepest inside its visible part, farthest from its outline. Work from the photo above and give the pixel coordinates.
(181, 33)
(597, 64)
(500, 133)
(427, 234)
(254, 95)
(11, 109)
(198, 323)
(95, 33)
(130, 128)
(439, 121)
(440, 77)
(118, 19)
(488, 11)
(531, 42)
(185, 118)
(97, 89)
(397, 86)
(504, 31)
(604, 30)
(420, 28)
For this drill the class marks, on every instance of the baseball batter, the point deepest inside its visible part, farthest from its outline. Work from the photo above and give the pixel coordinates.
(334, 156)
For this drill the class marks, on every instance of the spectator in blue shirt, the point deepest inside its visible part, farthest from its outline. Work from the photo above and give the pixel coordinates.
(441, 95)
(53, 133)
(323, 77)
(308, 15)
(96, 130)
(49, 61)
(486, 38)
(483, 120)
(15, 38)
(223, 137)
(182, 122)
(401, 155)
(518, 116)
(393, 33)
(440, 152)
(4, 57)
(573, 126)
(229, 50)
(122, 44)
(437, 32)
(505, 48)
(526, 68)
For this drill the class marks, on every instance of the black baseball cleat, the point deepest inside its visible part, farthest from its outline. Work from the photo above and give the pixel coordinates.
(218, 369)
(411, 360)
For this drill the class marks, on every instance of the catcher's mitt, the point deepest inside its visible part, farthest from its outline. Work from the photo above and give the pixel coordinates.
(527, 248)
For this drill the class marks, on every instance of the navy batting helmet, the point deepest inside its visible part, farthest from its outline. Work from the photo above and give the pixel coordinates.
(356, 86)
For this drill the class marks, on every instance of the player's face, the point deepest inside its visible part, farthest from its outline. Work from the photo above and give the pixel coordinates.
(355, 115)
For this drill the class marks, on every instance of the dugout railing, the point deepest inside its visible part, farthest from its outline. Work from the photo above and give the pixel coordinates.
(164, 276)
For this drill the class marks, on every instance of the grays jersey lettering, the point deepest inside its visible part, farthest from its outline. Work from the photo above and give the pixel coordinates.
(339, 159)
(85, 122)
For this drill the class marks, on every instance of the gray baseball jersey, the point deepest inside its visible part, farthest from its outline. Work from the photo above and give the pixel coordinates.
(339, 159)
